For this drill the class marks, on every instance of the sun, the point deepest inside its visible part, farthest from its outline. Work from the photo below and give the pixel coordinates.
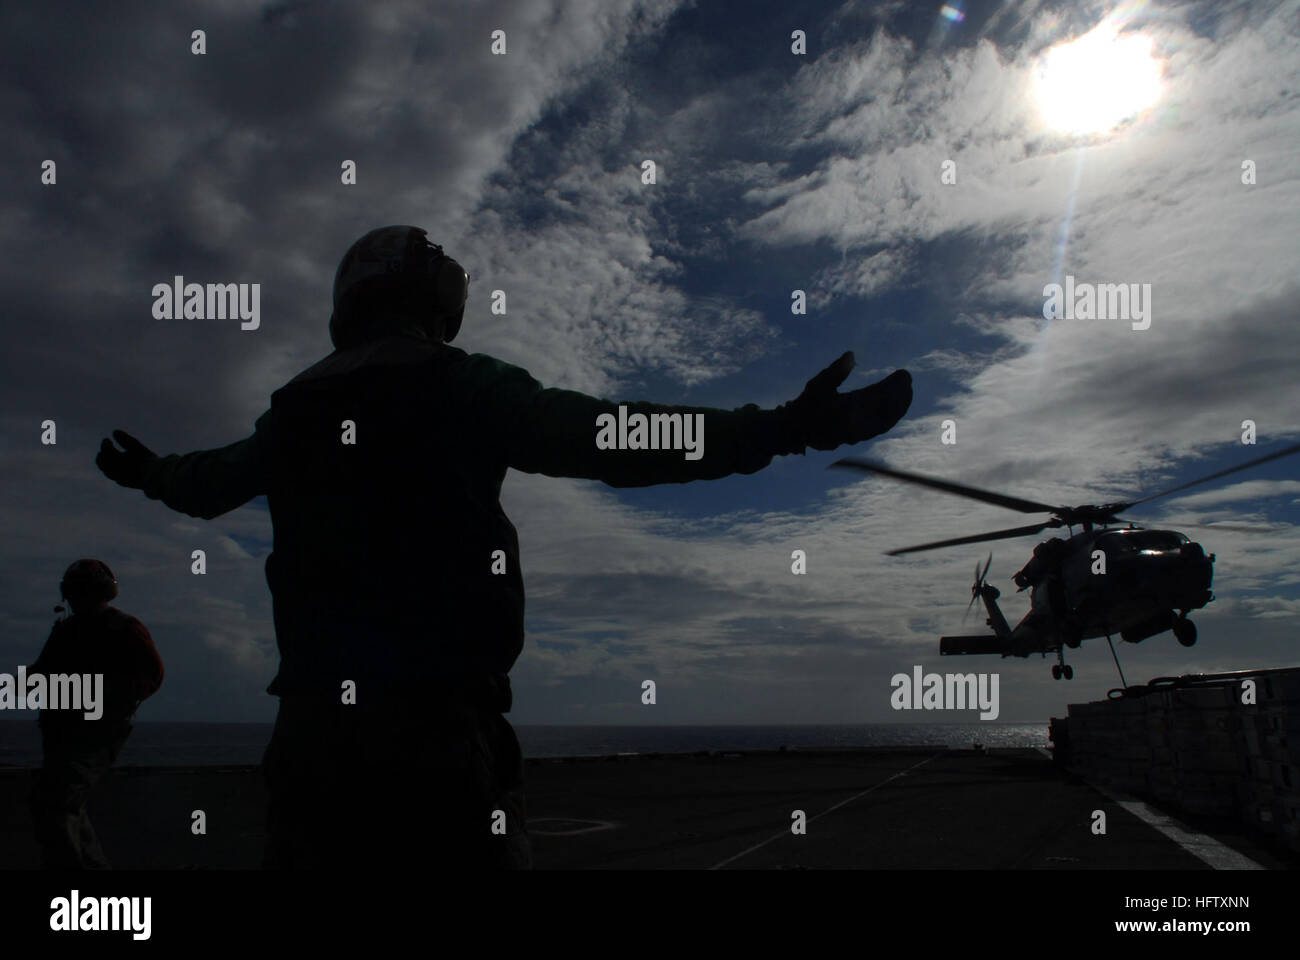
(1093, 84)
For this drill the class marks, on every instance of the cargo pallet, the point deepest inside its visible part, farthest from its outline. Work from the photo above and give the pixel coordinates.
(1221, 744)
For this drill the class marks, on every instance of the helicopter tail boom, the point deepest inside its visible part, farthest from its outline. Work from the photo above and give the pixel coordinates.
(962, 646)
(999, 642)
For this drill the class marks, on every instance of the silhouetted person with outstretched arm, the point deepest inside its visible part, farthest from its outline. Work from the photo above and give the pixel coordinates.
(394, 573)
(79, 749)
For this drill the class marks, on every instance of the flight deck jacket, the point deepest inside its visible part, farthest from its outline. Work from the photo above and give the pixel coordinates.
(383, 465)
(113, 645)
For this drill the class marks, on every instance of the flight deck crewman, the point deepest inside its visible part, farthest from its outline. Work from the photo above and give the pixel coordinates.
(78, 751)
(383, 465)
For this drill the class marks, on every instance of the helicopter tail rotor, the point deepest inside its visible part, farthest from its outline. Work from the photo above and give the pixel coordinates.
(977, 588)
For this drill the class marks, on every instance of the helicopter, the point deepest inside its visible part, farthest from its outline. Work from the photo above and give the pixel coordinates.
(1111, 577)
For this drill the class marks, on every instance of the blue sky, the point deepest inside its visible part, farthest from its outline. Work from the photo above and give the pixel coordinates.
(775, 172)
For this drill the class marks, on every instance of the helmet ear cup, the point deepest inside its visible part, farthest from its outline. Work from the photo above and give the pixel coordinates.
(110, 588)
(452, 326)
(452, 284)
(451, 290)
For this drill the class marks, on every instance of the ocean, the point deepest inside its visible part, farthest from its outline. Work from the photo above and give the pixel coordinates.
(185, 744)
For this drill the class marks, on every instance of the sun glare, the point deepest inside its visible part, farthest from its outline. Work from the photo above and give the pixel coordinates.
(1093, 84)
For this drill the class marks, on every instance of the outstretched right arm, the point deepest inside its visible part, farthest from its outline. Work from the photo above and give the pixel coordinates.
(205, 483)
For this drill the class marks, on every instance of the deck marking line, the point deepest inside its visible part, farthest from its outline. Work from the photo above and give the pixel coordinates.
(1218, 855)
(591, 826)
(786, 833)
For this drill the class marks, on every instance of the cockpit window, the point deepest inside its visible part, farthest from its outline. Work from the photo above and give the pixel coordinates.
(1138, 541)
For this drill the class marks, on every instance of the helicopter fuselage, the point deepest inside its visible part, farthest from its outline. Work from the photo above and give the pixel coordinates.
(1099, 582)
(1129, 582)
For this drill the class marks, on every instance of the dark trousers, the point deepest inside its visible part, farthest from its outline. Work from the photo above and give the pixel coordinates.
(394, 786)
(73, 764)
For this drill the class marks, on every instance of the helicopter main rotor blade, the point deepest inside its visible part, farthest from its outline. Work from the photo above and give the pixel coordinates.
(978, 538)
(961, 490)
(1215, 476)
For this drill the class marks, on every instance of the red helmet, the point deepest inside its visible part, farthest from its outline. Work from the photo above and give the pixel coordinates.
(88, 580)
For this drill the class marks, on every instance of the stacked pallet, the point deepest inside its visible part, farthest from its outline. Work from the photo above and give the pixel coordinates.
(1103, 746)
(1204, 741)
(1269, 791)
(1198, 744)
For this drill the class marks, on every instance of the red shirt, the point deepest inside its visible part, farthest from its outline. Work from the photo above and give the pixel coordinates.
(107, 642)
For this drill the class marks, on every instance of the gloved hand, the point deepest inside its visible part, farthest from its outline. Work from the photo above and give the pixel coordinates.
(128, 465)
(825, 419)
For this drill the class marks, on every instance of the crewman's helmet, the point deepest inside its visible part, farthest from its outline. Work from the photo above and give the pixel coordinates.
(88, 580)
(391, 276)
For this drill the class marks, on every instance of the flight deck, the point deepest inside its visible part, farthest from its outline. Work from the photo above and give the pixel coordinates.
(922, 808)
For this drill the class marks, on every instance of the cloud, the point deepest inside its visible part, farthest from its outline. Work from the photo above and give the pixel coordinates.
(774, 174)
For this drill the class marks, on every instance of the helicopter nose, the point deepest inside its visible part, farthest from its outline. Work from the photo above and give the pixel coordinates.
(1194, 567)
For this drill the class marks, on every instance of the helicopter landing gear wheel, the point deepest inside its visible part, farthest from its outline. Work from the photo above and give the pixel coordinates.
(1061, 668)
(1185, 631)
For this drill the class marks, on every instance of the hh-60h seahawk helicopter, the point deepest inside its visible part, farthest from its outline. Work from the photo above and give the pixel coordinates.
(1152, 577)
